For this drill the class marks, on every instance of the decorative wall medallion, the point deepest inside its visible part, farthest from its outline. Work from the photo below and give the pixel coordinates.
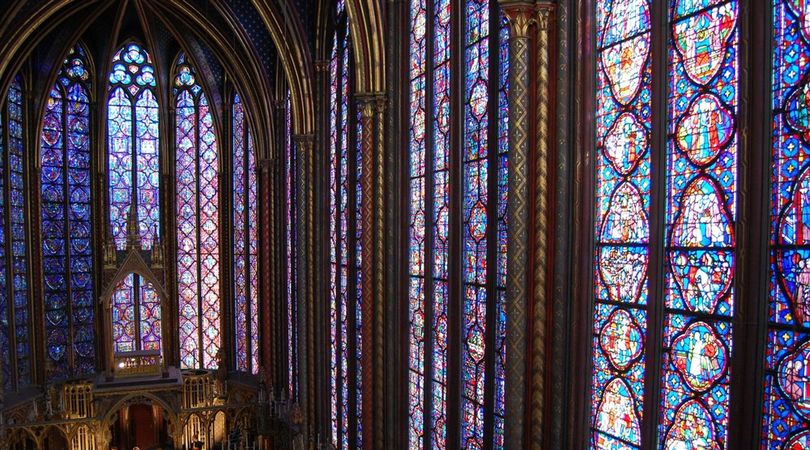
(702, 37)
(702, 276)
(624, 60)
(705, 129)
(616, 415)
(699, 356)
(623, 271)
(625, 143)
(621, 339)
(692, 429)
(624, 65)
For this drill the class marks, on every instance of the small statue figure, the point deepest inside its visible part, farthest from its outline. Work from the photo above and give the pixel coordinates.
(33, 413)
(296, 417)
(222, 376)
(61, 406)
(48, 400)
(262, 393)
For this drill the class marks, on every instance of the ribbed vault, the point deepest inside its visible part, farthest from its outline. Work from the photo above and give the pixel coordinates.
(210, 31)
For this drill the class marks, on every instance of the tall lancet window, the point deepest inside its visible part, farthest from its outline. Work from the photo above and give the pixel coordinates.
(345, 227)
(134, 187)
(698, 174)
(245, 243)
(472, 174)
(15, 315)
(67, 259)
(786, 409)
(198, 256)
(132, 145)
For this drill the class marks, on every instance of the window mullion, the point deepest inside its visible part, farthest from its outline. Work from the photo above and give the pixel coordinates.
(429, 268)
(755, 180)
(196, 153)
(246, 245)
(456, 225)
(66, 231)
(656, 272)
(492, 227)
(351, 261)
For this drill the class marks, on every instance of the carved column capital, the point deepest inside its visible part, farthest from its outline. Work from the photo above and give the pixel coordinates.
(265, 164)
(321, 65)
(543, 11)
(521, 15)
(371, 103)
(304, 142)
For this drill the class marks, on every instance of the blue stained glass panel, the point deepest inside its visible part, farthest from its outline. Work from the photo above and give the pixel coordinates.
(621, 230)
(700, 216)
(65, 222)
(786, 406)
(5, 317)
(198, 256)
(17, 225)
(132, 139)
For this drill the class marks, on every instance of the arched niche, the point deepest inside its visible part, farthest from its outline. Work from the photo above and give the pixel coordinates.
(141, 350)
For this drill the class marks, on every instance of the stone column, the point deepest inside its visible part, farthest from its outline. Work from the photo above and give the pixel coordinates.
(304, 147)
(372, 111)
(265, 291)
(520, 15)
(366, 107)
(544, 12)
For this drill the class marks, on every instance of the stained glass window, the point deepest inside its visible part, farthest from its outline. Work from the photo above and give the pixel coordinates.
(132, 145)
(245, 242)
(15, 315)
(292, 261)
(699, 214)
(786, 410)
(622, 222)
(345, 216)
(436, 165)
(136, 315)
(198, 255)
(67, 260)
(134, 187)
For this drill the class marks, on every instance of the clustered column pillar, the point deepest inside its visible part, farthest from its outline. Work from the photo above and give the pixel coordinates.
(528, 159)
(520, 16)
(266, 300)
(372, 111)
(544, 13)
(304, 177)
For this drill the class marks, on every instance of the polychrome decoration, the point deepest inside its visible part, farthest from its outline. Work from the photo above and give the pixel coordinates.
(786, 413)
(132, 145)
(67, 259)
(198, 254)
(483, 220)
(15, 314)
(136, 316)
(621, 225)
(245, 243)
(292, 259)
(346, 167)
(701, 206)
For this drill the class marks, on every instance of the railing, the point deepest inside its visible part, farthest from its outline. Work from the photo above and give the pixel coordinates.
(138, 364)
(78, 400)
